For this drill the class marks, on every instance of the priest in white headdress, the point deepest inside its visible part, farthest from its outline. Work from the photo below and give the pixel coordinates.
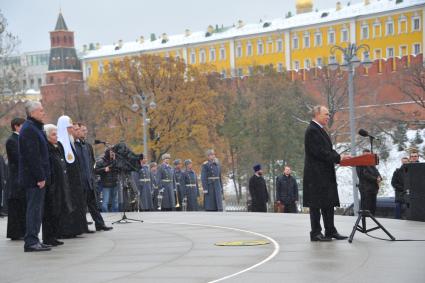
(74, 223)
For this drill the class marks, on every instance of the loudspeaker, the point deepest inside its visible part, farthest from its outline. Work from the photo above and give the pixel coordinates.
(415, 185)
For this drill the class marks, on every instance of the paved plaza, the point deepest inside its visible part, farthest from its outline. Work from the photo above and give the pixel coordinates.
(180, 247)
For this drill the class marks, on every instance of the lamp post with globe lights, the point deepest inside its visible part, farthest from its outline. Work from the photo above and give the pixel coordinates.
(349, 64)
(143, 102)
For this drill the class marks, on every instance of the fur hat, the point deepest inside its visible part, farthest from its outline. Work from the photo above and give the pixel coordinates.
(166, 156)
(257, 167)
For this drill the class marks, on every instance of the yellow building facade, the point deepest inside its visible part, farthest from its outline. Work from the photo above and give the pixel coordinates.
(390, 28)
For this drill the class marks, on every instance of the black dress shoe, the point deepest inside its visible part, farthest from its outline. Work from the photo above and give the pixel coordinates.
(319, 238)
(90, 232)
(337, 236)
(36, 248)
(58, 243)
(49, 243)
(44, 245)
(104, 228)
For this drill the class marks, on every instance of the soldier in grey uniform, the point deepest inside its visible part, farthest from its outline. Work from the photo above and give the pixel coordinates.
(211, 183)
(180, 189)
(154, 184)
(190, 181)
(143, 182)
(166, 184)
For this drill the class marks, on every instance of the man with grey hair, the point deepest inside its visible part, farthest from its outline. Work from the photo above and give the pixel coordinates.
(211, 183)
(34, 172)
(320, 187)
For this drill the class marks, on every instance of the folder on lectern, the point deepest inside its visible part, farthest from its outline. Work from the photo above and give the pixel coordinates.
(368, 159)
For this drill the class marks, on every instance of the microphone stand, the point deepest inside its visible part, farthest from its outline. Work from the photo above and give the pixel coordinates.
(366, 213)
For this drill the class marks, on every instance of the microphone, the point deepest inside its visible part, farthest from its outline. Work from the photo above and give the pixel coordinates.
(99, 142)
(365, 133)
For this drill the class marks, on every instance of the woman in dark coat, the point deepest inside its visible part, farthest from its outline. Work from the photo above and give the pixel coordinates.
(57, 192)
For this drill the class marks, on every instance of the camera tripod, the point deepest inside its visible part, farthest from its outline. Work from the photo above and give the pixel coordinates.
(124, 219)
(362, 228)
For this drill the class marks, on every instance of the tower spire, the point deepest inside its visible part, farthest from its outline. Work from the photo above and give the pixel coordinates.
(60, 23)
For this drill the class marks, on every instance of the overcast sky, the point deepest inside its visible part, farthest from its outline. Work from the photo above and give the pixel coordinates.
(107, 21)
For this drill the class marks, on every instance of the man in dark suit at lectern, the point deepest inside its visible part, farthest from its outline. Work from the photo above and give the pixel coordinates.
(320, 187)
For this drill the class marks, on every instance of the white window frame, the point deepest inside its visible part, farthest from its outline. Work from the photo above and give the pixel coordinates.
(296, 65)
(239, 52)
(279, 67)
(269, 46)
(193, 57)
(414, 48)
(377, 25)
(279, 45)
(344, 31)
(319, 62)
(413, 23)
(307, 64)
(364, 31)
(89, 70)
(295, 42)
(222, 53)
(202, 56)
(318, 43)
(333, 36)
(260, 47)
(388, 51)
(101, 68)
(401, 20)
(400, 50)
(212, 54)
(249, 49)
(306, 40)
(387, 33)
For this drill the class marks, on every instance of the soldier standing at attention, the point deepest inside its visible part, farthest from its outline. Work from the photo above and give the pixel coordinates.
(166, 184)
(155, 184)
(211, 183)
(180, 189)
(143, 181)
(190, 181)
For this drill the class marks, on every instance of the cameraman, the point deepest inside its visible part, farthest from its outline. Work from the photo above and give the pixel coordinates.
(106, 168)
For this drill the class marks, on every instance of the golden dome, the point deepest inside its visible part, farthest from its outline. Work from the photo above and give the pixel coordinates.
(304, 6)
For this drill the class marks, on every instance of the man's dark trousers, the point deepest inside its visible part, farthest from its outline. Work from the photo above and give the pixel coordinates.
(93, 208)
(328, 220)
(34, 216)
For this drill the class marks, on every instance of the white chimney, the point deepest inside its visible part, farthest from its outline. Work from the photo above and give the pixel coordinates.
(240, 24)
(338, 6)
(120, 43)
(141, 39)
(187, 32)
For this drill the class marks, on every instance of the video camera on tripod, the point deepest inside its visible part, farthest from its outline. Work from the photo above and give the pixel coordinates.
(124, 163)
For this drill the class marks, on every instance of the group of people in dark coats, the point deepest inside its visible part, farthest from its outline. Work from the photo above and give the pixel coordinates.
(51, 181)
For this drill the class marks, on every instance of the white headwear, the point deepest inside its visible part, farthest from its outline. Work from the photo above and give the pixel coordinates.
(65, 122)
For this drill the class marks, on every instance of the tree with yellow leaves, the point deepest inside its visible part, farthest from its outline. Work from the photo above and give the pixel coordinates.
(188, 111)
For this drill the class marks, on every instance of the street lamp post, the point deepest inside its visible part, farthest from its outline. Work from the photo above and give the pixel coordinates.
(350, 63)
(144, 101)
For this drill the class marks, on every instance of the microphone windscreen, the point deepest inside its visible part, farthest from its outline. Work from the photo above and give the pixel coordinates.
(363, 133)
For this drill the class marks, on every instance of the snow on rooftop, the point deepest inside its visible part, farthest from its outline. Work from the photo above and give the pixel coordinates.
(296, 21)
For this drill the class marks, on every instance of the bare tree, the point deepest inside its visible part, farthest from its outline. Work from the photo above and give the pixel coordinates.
(412, 83)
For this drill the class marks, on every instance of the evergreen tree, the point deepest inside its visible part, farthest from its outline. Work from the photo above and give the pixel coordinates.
(400, 137)
(384, 151)
(418, 138)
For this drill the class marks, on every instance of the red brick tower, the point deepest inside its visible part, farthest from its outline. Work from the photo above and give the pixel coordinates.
(64, 78)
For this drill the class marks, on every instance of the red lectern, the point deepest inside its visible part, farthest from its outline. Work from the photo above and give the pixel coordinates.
(368, 159)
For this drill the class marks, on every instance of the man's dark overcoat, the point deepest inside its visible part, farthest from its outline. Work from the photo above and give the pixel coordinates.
(320, 187)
